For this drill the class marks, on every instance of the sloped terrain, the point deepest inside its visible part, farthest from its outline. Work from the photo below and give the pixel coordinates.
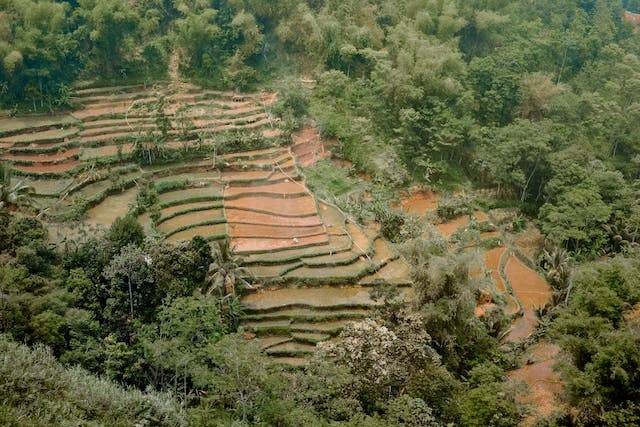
(313, 266)
(81, 157)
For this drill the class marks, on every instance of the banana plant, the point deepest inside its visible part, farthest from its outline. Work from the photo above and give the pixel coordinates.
(557, 265)
(13, 194)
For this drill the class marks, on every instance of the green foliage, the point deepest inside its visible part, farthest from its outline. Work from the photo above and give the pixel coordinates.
(219, 43)
(329, 181)
(166, 186)
(453, 206)
(39, 57)
(602, 375)
(126, 230)
(38, 390)
(488, 404)
(12, 193)
(292, 105)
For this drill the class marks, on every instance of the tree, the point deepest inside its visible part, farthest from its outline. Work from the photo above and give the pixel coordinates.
(187, 326)
(112, 27)
(226, 275)
(125, 231)
(381, 360)
(514, 157)
(131, 291)
(602, 342)
(39, 57)
(445, 303)
(575, 220)
(240, 380)
(537, 93)
(35, 382)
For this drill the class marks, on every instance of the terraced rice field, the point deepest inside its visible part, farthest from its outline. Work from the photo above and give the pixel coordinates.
(316, 267)
(62, 154)
(522, 288)
(313, 266)
(532, 291)
(545, 385)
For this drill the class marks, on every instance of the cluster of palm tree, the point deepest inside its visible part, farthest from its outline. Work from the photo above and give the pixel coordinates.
(13, 194)
(226, 279)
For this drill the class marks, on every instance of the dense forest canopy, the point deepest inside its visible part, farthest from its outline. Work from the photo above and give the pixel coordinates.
(535, 100)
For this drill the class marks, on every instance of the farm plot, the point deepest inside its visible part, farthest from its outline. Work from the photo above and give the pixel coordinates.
(314, 268)
(288, 322)
(40, 145)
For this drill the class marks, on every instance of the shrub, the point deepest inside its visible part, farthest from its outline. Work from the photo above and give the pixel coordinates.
(453, 206)
(126, 230)
(166, 186)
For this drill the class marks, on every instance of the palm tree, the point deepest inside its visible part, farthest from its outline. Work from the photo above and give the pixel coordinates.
(13, 194)
(226, 274)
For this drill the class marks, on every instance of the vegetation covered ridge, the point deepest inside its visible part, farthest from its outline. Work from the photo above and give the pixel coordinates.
(295, 212)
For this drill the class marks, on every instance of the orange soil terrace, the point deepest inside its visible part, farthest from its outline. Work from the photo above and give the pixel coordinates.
(420, 202)
(492, 261)
(544, 384)
(43, 168)
(43, 157)
(447, 229)
(532, 291)
(308, 147)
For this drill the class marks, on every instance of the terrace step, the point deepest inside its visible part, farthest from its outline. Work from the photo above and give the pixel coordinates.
(299, 207)
(321, 297)
(288, 327)
(269, 271)
(173, 211)
(291, 349)
(255, 154)
(47, 169)
(238, 216)
(310, 337)
(49, 187)
(309, 314)
(105, 123)
(10, 126)
(87, 92)
(190, 195)
(344, 273)
(279, 190)
(250, 245)
(191, 219)
(267, 342)
(209, 232)
(335, 245)
(292, 362)
(41, 148)
(273, 231)
(40, 158)
(336, 259)
(42, 137)
(257, 163)
(396, 272)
